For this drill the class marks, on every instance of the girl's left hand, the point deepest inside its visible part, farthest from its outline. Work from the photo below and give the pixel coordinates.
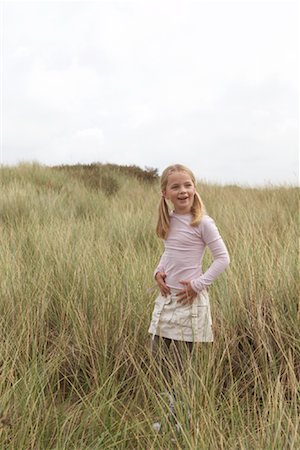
(187, 295)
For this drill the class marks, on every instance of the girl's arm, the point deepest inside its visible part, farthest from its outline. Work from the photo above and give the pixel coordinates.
(161, 266)
(212, 238)
(160, 276)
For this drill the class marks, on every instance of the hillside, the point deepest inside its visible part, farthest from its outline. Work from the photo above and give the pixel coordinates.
(78, 250)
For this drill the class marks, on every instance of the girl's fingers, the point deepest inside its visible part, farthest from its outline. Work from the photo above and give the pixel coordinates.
(164, 293)
(187, 292)
(164, 289)
(160, 278)
(186, 298)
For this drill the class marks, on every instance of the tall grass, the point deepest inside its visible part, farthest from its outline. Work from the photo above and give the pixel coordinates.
(76, 266)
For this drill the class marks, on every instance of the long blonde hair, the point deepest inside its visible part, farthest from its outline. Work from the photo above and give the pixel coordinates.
(197, 209)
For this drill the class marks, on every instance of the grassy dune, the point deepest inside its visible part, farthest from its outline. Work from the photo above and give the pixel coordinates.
(77, 255)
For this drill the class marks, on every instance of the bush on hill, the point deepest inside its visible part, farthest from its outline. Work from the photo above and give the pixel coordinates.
(103, 177)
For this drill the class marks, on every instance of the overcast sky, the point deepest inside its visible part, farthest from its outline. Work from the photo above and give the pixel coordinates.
(212, 85)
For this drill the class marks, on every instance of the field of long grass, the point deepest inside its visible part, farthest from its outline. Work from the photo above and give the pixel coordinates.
(77, 254)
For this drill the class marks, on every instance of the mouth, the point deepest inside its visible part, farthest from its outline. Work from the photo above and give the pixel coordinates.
(183, 198)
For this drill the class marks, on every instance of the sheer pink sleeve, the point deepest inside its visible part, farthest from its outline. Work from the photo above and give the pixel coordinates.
(212, 238)
(160, 267)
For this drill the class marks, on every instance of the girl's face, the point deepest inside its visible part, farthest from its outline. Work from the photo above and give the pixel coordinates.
(180, 190)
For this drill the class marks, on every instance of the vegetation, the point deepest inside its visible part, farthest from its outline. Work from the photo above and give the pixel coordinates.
(104, 177)
(78, 250)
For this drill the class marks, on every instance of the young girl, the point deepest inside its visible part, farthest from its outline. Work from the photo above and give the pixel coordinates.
(182, 310)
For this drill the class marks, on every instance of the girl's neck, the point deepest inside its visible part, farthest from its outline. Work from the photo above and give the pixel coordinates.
(181, 214)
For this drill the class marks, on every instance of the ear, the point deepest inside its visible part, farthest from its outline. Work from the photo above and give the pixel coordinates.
(164, 195)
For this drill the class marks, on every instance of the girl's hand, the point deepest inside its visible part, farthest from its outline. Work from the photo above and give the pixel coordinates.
(187, 295)
(160, 280)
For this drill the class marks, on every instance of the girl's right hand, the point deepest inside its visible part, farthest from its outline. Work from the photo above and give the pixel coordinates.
(160, 280)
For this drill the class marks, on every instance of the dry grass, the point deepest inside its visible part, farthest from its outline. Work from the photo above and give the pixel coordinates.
(75, 369)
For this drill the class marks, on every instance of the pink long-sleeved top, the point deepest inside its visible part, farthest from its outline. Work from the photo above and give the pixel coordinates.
(184, 250)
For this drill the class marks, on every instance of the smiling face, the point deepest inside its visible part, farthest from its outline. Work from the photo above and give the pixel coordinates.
(180, 190)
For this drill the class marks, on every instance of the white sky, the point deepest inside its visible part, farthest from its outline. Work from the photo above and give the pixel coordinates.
(212, 85)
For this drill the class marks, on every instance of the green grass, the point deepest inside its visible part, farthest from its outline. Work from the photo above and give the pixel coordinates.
(76, 263)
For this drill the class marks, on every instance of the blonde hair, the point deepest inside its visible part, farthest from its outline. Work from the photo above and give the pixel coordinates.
(197, 209)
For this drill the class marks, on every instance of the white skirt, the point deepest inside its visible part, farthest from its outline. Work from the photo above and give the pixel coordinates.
(190, 322)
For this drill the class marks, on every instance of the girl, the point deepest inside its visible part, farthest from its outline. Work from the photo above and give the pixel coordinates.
(181, 313)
